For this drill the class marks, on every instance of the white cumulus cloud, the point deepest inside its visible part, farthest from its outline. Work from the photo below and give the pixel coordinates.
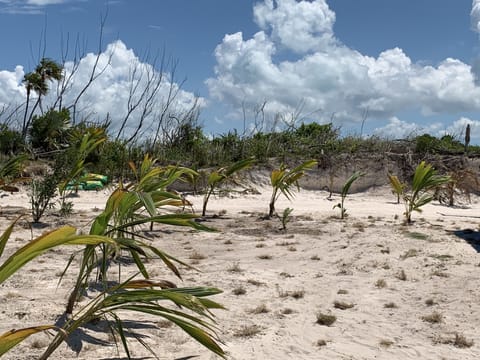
(475, 16)
(44, 2)
(400, 129)
(323, 73)
(299, 26)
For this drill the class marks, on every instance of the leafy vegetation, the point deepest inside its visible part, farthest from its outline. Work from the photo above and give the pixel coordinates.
(425, 179)
(345, 189)
(10, 173)
(113, 231)
(283, 181)
(218, 177)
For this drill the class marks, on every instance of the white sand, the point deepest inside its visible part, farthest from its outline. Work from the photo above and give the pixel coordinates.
(317, 256)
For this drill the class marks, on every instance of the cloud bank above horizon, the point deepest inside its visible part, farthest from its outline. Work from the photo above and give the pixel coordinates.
(325, 74)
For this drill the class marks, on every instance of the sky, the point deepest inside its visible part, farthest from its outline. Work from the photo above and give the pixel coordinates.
(372, 67)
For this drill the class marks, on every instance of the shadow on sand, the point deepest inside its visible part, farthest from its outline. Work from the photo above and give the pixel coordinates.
(470, 236)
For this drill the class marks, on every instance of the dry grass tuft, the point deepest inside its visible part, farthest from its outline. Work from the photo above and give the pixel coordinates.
(390, 305)
(321, 343)
(459, 341)
(265, 257)
(197, 256)
(235, 268)
(401, 275)
(342, 305)
(409, 253)
(380, 283)
(462, 342)
(239, 290)
(440, 273)
(247, 331)
(386, 343)
(433, 318)
(296, 294)
(260, 309)
(325, 319)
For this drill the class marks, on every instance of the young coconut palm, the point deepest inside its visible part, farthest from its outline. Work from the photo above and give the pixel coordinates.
(345, 190)
(139, 296)
(398, 188)
(128, 207)
(222, 175)
(283, 180)
(425, 179)
(113, 231)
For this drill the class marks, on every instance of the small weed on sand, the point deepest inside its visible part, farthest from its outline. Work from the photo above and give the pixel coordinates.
(440, 273)
(260, 245)
(433, 318)
(265, 257)
(287, 243)
(235, 268)
(321, 343)
(390, 305)
(325, 319)
(342, 292)
(380, 283)
(386, 343)
(442, 257)
(296, 294)
(239, 290)
(459, 341)
(342, 305)
(462, 342)
(247, 331)
(409, 253)
(260, 309)
(430, 302)
(416, 235)
(255, 282)
(315, 258)
(401, 275)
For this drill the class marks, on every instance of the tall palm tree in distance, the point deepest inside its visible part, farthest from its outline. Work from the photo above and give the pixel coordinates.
(47, 70)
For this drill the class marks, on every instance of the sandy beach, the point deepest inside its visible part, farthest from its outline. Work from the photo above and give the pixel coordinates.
(365, 287)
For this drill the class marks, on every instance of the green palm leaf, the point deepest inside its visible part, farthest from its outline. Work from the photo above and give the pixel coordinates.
(11, 338)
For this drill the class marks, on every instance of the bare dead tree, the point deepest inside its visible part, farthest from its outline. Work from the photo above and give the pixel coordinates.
(145, 84)
(96, 71)
(164, 119)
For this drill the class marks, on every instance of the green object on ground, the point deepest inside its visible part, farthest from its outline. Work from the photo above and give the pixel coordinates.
(98, 177)
(93, 185)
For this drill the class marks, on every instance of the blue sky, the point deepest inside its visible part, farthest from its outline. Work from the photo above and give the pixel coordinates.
(407, 64)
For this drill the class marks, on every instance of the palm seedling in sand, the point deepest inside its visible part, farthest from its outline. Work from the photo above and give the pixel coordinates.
(425, 179)
(285, 180)
(345, 190)
(222, 175)
(113, 232)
